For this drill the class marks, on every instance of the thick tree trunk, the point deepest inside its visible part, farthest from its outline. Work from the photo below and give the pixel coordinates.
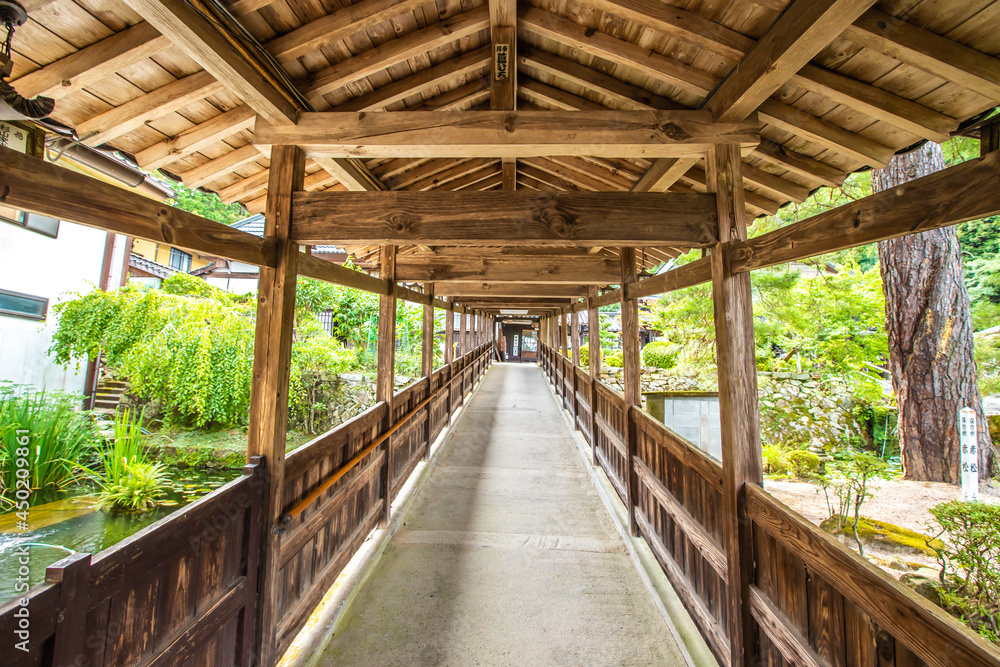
(930, 336)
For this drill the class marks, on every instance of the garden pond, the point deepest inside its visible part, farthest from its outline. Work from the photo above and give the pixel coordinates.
(63, 522)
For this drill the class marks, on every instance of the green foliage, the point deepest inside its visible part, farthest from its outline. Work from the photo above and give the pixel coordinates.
(775, 458)
(614, 359)
(987, 353)
(184, 284)
(804, 464)
(43, 434)
(190, 355)
(206, 204)
(128, 480)
(852, 483)
(970, 563)
(585, 356)
(660, 354)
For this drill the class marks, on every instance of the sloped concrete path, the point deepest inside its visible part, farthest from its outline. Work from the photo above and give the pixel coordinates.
(508, 556)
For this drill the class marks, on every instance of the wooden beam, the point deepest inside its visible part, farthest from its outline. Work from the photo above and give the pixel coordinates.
(266, 435)
(132, 115)
(34, 185)
(93, 63)
(967, 191)
(352, 174)
(453, 173)
(196, 138)
(212, 169)
(804, 29)
(737, 370)
(509, 173)
(468, 64)
(504, 218)
(508, 134)
(466, 289)
(663, 174)
(392, 52)
(320, 269)
(336, 26)
(927, 51)
(209, 47)
(545, 269)
(799, 164)
(503, 75)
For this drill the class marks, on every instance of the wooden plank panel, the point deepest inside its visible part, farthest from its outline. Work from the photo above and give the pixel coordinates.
(504, 218)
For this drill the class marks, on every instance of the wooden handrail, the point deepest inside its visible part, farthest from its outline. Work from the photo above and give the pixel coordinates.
(301, 506)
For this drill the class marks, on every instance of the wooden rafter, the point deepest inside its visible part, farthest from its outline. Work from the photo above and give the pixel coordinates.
(196, 138)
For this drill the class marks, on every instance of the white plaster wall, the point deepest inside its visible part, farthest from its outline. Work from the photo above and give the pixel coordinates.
(39, 265)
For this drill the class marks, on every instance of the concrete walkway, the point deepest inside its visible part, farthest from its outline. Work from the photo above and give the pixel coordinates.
(508, 556)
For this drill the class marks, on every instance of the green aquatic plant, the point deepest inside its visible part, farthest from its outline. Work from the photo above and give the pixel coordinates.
(43, 434)
(128, 480)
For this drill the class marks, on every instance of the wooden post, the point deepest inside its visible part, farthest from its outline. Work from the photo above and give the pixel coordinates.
(449, 333)
(463, 320)
(386, 367)
(989, 137)
(594, 343)
(72, 573)
(427, 360)
(272, 358)
(564, 333)
(737, 368)
(630, 372)
(574, 336)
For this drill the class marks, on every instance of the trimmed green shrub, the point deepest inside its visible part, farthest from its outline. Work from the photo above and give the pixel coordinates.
(804, 464)
(585, 356)
(660, 354)
(614, 359)
(775, 459)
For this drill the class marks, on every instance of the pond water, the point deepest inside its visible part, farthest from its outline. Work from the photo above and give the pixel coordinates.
(62, 522)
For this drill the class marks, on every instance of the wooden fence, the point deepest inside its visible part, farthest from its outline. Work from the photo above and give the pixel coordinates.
(181, 591)
(184, 590)
(814, 601)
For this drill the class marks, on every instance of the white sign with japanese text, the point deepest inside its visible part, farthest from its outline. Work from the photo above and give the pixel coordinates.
(13, 137)
(970, 454)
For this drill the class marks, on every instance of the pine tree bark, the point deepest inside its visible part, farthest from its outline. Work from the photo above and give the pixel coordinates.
(930, 336)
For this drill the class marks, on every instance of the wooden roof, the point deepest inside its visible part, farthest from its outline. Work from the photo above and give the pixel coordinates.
(903, 72)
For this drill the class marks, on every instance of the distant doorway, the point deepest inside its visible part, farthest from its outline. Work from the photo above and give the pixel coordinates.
(521, 341)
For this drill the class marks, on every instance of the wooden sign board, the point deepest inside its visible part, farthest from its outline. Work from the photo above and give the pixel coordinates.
(501, 61)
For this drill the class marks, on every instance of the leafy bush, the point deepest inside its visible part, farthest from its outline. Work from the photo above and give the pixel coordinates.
(970, 563)
(585, 356)
(775, 458)
(46, 431)
(614, 359)
(804, 464)
(852, 483)
(660, 354)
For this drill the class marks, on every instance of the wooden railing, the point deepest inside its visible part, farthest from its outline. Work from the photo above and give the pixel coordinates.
(814, 602)
(181, 591)
(318, 541)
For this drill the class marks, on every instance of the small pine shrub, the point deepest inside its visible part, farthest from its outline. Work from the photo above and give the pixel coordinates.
(804, 464)
(660, 354)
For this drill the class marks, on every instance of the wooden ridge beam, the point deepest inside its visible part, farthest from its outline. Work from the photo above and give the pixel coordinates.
(508, 134)
(544, 269)
(93, 63)
(967, 191)
(190, 31)
(804, 29)
(392, 52)
(504, 218)
(196, 138)
(33, 185)
(132, 115)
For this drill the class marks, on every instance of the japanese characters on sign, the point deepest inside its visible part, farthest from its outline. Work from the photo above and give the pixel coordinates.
(501, 62)
(970, 454)
(13, 137)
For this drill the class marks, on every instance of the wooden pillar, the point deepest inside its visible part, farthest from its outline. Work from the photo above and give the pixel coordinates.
(564, 333)
(630, 373)
(463, 345)
(449, 333)
(272, 358)
(737, 368)
(386, 367)
(574, 335)
(427, 333)
(594, 342)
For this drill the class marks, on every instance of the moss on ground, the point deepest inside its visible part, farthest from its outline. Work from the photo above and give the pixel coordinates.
(209, 449)
(883, 535)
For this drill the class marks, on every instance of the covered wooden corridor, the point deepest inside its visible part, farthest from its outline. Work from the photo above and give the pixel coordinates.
(543, 157)
(507, 556)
